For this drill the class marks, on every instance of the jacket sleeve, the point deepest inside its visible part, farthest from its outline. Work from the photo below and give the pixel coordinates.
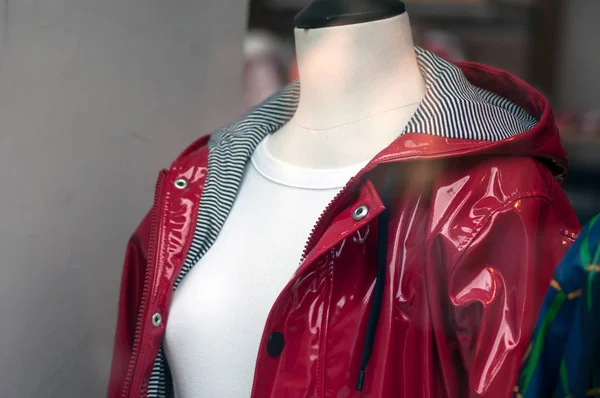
(496, 287)
(132, 284)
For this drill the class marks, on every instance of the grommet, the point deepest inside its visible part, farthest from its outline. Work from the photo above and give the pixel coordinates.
(181, 183)
(156, 319)
(360, 213)
(275, 344)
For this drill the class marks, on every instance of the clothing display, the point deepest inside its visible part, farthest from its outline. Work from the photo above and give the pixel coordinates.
(218, 313)
(423, 278)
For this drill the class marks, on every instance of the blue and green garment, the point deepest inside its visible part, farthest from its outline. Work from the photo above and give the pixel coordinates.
(563, 359)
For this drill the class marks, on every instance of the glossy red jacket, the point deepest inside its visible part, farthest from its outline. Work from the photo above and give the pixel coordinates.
(476, 229)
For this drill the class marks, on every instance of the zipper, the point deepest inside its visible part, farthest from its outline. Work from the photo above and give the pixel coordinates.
(324, 219)
(147, 281)
(144, 389)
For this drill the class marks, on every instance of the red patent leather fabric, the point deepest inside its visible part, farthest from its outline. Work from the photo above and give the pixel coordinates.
(476, 230)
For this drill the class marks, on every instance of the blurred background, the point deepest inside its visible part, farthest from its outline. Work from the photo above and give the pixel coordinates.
(97, 95)
(552, 44)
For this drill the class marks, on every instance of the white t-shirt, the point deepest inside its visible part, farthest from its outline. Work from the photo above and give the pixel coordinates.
(219, 311)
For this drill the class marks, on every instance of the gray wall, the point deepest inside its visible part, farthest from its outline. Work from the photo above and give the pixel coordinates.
(579, 81)
(95, 97)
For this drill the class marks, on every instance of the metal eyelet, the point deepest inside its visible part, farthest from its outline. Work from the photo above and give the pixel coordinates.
(156, 320)
(181, 183)
(360, 213)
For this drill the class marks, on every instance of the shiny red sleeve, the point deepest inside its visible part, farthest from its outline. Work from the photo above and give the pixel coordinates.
(132, 283)
(496, 288)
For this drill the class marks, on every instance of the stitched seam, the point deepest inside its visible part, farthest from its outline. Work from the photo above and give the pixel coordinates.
(550, 184)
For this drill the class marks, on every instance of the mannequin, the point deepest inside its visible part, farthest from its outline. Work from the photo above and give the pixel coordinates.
(360, 85)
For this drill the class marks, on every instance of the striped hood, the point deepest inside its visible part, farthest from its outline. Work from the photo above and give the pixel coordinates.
(481, 108)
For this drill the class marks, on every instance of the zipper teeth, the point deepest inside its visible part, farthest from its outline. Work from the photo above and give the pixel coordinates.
(145, 291)
(144, 390)
(326, 214)
(312, 237)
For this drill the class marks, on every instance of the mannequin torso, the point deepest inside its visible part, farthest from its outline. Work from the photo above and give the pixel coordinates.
(360, 85)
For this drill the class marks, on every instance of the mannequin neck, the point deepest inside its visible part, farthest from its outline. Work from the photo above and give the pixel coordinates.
(360, 85)
(354, 71)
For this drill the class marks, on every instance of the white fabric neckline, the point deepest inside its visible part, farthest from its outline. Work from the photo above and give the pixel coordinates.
(283, 173)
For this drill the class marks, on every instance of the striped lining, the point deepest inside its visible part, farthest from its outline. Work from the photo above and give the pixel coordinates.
(454, 108)
(451, 108)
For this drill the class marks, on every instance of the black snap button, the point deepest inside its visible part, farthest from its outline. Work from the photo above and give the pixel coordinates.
(275, 344)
